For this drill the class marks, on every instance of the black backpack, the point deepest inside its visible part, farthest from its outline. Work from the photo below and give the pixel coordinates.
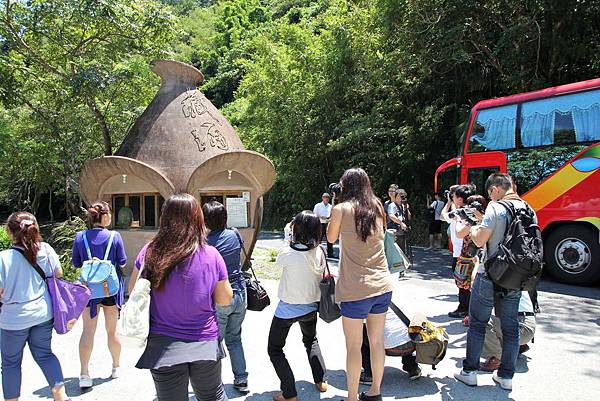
(518, 263)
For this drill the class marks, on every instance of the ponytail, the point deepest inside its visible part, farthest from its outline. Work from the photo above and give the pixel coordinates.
(25, 231)
(96, 212)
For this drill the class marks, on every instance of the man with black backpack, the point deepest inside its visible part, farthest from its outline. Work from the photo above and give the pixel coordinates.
(512, 262)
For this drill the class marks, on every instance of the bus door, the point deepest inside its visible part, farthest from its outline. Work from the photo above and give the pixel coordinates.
(477, 167)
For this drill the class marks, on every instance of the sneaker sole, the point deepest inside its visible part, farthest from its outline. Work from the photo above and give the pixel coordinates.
(459, 378)
(500, 384)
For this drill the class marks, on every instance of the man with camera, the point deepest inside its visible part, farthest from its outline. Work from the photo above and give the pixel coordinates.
(486, 295)
(323, 212)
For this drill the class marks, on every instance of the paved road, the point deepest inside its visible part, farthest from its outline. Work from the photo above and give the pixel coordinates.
(563, 364)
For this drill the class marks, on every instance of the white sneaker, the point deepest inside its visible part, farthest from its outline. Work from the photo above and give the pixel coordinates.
(469, 378)
(506, 384)
(115, 373)
(85, 381)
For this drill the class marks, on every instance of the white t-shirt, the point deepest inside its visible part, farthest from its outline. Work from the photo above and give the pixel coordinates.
(457, 243)
(301, 272)
(437, 206)
(525, 304)
(395, 333)
(323, 211)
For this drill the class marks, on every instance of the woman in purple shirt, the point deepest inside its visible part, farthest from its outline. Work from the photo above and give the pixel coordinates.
(188, 277)
(98, 239)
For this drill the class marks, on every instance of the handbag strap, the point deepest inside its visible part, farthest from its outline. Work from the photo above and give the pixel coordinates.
(248, 262)
(400, 314)
(36, 267)
(326, 263)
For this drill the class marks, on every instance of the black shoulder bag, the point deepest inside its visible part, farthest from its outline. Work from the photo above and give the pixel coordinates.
(328, 309)
(257, 296)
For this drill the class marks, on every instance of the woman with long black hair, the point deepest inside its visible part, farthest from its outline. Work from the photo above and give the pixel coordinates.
(187, 277)
(365, 286)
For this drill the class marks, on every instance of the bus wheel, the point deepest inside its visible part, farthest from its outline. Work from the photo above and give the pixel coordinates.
(572, 255)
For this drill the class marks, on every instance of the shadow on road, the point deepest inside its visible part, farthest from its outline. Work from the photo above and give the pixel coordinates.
(72, 387)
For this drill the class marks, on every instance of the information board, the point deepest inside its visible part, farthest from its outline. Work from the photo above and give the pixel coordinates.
(237, 213)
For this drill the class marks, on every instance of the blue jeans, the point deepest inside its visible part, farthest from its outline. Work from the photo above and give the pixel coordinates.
(12, 343)
(230, 328)
(483, 300)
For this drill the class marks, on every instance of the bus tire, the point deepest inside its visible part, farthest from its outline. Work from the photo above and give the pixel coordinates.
(572, 255)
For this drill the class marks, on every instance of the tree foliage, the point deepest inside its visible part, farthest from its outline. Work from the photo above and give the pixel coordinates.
(74, 76)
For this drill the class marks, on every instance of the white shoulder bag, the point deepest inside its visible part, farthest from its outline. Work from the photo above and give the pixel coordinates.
(134, 324)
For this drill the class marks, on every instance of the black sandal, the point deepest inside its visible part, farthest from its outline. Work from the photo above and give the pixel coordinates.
(364, 397)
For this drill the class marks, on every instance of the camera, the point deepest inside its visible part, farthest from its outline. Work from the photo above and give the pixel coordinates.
(335, 189)
(446, 193)
(465, 214)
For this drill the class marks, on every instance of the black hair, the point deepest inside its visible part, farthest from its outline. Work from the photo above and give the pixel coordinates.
(307, 229)
(478, 202)
(463, 192)
(215, 215)
(356, 189)
(498, 180)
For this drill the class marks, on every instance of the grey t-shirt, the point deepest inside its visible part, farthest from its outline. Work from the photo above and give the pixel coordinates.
(495, 219)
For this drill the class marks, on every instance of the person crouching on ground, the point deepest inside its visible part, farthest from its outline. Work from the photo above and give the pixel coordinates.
(187, 277)
(27, 307)
(89, 244)
(492, 347)
(365, 285)
(397, 343)
(229, 244)
(302, 263)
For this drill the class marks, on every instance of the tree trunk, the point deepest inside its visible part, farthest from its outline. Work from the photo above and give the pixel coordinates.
(102, 123)
(50, 207)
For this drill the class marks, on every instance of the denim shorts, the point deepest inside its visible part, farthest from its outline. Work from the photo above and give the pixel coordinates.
(362, 308)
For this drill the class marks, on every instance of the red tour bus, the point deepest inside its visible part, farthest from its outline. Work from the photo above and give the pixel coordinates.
(549, 141)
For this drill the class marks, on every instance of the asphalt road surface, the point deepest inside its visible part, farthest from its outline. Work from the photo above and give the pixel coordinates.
(563, 363)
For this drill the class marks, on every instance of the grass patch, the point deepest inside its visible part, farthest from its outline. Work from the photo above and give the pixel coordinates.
(263, 262)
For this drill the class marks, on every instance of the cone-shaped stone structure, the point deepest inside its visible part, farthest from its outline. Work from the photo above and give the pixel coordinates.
(181, 143)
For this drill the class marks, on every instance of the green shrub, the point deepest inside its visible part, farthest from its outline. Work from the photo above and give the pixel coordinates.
(4, 240)
(61, 239)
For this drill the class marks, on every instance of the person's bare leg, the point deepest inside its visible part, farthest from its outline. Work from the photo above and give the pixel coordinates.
(375, 325)
(111, 317)
(86, 343)
(58, 393)
(353, 333)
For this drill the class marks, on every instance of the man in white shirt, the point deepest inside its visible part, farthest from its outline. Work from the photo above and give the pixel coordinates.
(435, 225)
(323, 211)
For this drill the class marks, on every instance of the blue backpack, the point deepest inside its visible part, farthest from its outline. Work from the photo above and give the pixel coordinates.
(100, 276)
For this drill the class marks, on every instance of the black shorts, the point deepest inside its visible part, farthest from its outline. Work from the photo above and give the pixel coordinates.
(108, 301)
(435, 227)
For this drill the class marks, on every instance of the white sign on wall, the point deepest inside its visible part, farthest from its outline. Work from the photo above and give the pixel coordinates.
(246, 196)
(237, 214)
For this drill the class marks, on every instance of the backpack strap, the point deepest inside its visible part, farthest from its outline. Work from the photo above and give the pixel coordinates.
(87, 245)
(110, 242)
(400, 314)
(36, 267)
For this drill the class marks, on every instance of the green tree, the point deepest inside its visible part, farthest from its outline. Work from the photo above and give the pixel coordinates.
(75, 76)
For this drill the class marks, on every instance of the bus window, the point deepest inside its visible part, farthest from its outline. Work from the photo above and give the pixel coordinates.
(532, 166)
(448, 177)
(561, 120)
(478, 177)
(494, 129)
